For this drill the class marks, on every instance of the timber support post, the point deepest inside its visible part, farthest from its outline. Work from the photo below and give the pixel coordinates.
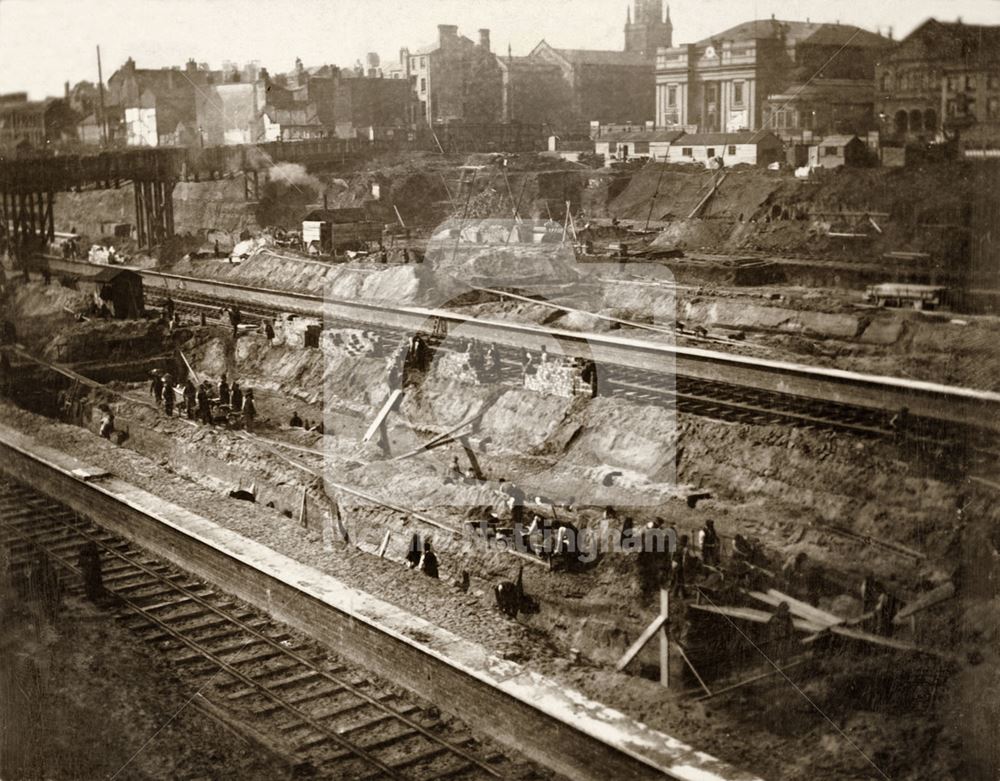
(154, 211)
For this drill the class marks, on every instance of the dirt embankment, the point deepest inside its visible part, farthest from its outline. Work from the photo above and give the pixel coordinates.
(926, 209)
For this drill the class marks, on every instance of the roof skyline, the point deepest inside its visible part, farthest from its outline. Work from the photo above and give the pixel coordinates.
(37, 57)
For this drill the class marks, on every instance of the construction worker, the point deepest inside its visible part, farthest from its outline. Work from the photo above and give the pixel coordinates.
(234, 320)
(678, 586)
(428, 561)
(781, 631)
(156, 387)
(168, 395)
(223, 391)
(508, 595)
(107, 424)
(249, 410)
(515, 500)
(236, 396)
(204, 409)
(296, 421)
(413, 554)
(190, 398)
(708, 540)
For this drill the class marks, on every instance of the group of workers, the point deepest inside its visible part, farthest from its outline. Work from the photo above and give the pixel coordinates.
(296, 422)
(198, 399)
(421, 557)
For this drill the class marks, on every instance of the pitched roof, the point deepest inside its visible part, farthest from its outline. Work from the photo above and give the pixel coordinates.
(722, 139)
(795, 32)
(842, 140)
(955, 40)
(603, 57)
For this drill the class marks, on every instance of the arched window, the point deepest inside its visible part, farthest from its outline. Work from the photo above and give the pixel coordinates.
(902, 123)
(916, 121)
(930, 119)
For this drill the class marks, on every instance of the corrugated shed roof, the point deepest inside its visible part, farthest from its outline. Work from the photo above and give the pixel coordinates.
(640, 135)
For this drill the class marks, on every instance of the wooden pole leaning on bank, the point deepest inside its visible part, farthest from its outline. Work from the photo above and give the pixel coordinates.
(659, 627)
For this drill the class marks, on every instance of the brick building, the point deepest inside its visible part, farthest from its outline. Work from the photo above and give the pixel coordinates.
(453, 79)
(722, 83)
(943, 80)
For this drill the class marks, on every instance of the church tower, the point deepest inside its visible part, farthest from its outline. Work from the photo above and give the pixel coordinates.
(649, 29)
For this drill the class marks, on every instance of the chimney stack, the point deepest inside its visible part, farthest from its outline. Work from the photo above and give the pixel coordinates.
(66, 85)
(447, 32)
(484, 38)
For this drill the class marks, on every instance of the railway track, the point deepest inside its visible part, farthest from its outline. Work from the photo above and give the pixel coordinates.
(707, 382)
(326, 718)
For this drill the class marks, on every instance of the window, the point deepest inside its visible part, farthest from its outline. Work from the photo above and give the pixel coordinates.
(711, 151)
(686, 151)
(737, 93)
(672, 97)
(423, 85)
(832, 151)
(993, 81)
(993, 108)
(970, 82)
(950, 83)
(886, 82)
(732, 149)
(423, 62)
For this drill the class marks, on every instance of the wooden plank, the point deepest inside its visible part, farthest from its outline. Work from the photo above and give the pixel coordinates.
(644, 638)
(754, 679)
(664, 637)
(804, 609)
(756, 616)
(440, 439)
(931, 598)
(893, 644)
(389, 405)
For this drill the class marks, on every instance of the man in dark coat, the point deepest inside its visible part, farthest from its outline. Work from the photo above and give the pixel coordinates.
(204, 410)
(190, 398)
(236, 397)
(223, 391)
(156, 387)
(429, 561)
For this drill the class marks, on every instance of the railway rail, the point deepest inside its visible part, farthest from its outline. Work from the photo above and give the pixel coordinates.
(747, 387)
(177, 568)
(324, 714)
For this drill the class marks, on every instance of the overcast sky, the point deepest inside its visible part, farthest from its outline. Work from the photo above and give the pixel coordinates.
(46, 42)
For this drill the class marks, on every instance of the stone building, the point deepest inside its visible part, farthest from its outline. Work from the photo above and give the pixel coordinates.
(650, 31)
(723, 83)
(27, 125)
(943, 80)
(569, 88)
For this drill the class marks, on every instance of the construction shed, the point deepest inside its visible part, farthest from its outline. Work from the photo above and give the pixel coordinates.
(118, 288)
(835, 151)
(630, 144)
(328, 230)
(709, 149)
